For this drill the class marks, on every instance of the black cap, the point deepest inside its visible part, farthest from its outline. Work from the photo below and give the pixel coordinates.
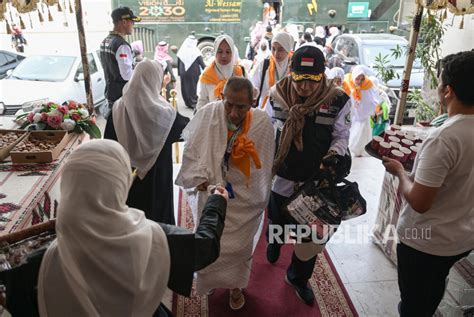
(307, 63)
(124, 13)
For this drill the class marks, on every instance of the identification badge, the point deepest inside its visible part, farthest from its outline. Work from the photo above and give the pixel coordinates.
(230, 190)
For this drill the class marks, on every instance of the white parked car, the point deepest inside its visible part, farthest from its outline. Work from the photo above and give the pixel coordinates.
(58, 78)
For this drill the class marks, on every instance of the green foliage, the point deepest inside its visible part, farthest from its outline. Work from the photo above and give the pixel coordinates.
(92, 130)
(428, 49)
(423, 111)
(384, 69)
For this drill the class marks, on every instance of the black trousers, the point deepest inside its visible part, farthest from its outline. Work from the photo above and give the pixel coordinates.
(299, 272)
(422, 280)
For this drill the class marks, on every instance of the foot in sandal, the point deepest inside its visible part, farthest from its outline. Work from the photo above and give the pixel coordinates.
(236, 299)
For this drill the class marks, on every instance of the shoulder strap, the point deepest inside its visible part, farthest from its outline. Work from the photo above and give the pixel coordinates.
(243, 70)
(266, 63)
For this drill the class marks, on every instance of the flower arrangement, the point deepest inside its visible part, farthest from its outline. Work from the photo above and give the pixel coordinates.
(70, 116)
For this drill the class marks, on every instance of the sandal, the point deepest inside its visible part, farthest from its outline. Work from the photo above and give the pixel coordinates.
(236, 299)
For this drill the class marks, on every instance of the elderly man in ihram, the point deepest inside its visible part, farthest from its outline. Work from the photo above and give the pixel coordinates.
(229, 143)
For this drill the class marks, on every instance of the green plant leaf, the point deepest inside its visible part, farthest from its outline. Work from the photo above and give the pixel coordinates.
(93, 131)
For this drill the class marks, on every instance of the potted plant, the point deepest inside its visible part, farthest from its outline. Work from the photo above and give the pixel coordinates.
(424, 113)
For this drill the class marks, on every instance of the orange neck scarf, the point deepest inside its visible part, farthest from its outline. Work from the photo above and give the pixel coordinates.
(244, 149)
(210, 77)
(351, 89)
(272, 69)
(271, 75)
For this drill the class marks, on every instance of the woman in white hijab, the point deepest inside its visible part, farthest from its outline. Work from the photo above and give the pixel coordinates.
(108, 259)
(337, 74)
(333, 33)
(268, 72)
(364, 99)
(320, 33)
(190, 66)
(263, 51)
(147, 126)
(225, 65)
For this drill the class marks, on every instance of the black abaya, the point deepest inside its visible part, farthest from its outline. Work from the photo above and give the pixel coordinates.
(154, 193)
(189, 81)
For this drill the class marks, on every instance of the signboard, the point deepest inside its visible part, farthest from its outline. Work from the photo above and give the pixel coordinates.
(223, 11)
(358, 10)
(161, 10)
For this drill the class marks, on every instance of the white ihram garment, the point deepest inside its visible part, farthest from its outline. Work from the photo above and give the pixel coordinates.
(206, 140)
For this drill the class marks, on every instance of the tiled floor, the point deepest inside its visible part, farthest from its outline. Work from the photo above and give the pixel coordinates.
(369, 277)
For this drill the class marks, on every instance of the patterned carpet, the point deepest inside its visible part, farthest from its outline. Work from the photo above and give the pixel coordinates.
(268, 294)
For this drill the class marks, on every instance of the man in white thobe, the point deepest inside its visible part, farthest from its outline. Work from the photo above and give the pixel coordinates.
(229, 143)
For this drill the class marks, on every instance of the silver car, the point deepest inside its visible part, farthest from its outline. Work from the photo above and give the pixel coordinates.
(42, 78)
(355, 49)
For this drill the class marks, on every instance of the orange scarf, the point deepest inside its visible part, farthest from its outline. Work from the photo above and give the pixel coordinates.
(271, 75)
(351, 89)
(272, 69)
(244, 148)
(210, 77)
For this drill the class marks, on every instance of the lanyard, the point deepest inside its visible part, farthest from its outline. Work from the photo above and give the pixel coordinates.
(228, 151)
(223, 76)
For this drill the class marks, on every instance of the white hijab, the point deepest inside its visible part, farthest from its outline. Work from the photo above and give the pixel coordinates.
(286, 41)
(188, 52)
(320, 32)
(108, 259)
(225, 70)
(142, 118)
(261, 55)
(333, 31)
(336, 72)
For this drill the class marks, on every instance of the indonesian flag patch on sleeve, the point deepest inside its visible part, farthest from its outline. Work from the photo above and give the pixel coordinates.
(307, 61)
(123, 55)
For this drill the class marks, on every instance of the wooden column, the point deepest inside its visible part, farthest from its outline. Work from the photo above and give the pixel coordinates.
(408, 64)
(85, 63)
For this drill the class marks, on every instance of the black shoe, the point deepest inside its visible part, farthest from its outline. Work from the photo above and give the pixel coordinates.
(273, 252)
(303, 292)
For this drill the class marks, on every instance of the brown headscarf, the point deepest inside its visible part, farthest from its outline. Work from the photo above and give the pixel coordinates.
(289, 100)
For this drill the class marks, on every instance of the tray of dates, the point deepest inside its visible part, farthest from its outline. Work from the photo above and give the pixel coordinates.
(40, 147)
(397, 144)
(8, 140)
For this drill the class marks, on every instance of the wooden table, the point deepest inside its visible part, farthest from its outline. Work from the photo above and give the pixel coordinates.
(29, 193)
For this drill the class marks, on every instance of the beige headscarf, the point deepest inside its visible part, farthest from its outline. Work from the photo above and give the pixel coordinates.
(286, 96)
(286, 41)
(142, 118)
(108, 259)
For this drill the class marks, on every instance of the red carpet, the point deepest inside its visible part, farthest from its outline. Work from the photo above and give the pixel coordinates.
(268, 294)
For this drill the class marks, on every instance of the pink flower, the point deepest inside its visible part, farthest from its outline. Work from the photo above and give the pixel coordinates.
(54, 121)
(76, 116)
(72, 104)
(63, 109)
(44, 117)
(30, 117)
(49, 104)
